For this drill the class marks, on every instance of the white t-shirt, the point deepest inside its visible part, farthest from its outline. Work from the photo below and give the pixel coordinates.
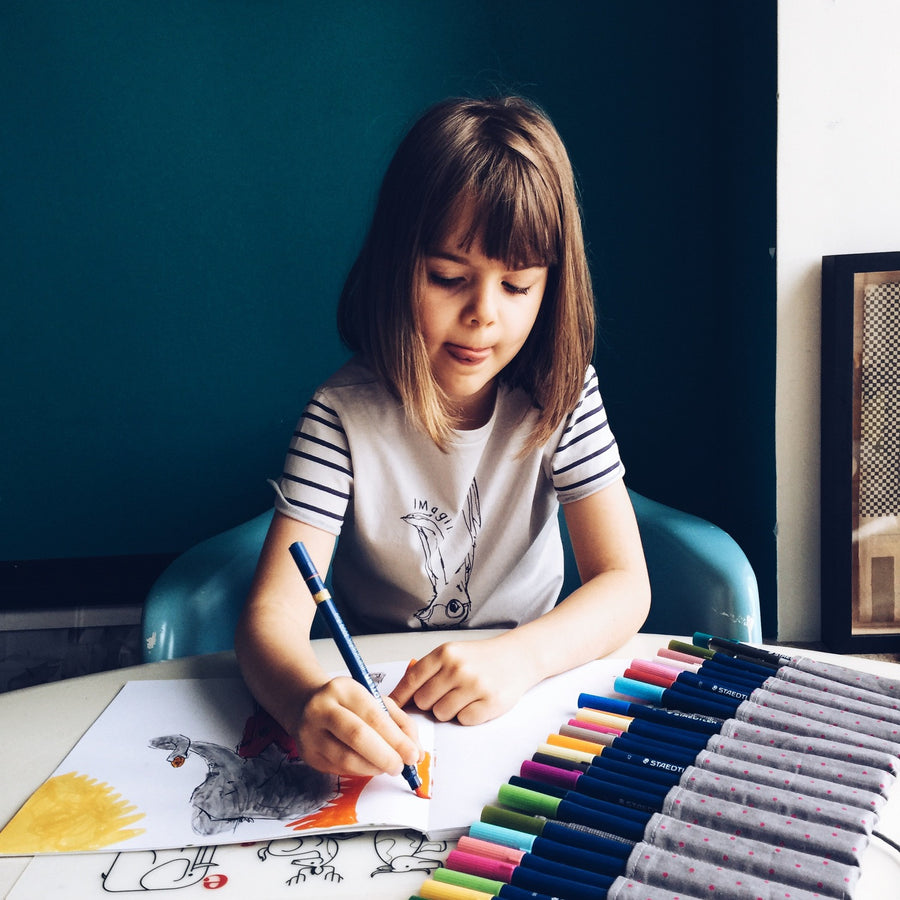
(433, 539)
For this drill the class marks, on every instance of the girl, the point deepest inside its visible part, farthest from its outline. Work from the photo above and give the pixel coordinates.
(440, 452)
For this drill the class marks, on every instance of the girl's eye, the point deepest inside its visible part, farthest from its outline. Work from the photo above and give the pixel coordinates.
(515, 289)
(443, 280)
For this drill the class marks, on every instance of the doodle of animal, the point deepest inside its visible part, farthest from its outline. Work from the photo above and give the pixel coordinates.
(407, 851)
(237, 789)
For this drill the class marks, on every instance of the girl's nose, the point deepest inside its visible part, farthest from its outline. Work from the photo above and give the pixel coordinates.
(482, 307)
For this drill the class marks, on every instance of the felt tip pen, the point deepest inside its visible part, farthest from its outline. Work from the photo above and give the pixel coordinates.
(735, 669)
(604, 796)
(584, 751)
(537, 883)
(345, 644)
(624, 779)
(612, 806)
(586, 731)
(438, 889)
(638, 727)
(673, 697)
(660, 771)
(710, 655)
(619, 763)
(676, 718)
(626, 742)
(537, 803)
(531, 872)
(710, 652)
(583, 781)
(520, 829)
(446, 884)
(725, 690)
(739, 648)
(720, 693)
(537, 847)
(710, 668)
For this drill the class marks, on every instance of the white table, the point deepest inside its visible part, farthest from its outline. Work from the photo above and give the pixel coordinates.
(39, 725)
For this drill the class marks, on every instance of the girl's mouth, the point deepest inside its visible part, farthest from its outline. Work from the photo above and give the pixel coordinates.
(468, 355)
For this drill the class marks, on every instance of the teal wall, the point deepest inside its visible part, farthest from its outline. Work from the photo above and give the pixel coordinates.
(185, 183)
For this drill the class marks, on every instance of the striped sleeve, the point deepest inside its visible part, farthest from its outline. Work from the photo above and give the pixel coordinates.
(587, 456)
(317, 480)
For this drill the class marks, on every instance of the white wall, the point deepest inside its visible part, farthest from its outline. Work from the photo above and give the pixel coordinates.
(838, 192)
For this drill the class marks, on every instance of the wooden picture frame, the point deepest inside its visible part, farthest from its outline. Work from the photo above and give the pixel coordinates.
(860, 452)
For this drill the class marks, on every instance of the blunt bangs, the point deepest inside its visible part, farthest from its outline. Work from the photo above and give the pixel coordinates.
(512, 212)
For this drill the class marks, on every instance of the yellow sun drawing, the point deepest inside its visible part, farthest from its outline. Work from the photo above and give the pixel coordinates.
(70, 812)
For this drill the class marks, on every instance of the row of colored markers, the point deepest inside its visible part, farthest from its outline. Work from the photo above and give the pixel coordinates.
(608, 808)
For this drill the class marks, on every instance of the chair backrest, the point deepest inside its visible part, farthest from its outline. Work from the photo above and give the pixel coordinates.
(700, 579)
(194, 605)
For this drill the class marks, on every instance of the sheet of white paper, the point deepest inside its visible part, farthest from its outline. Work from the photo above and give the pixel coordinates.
(474, 761)
(125, 794)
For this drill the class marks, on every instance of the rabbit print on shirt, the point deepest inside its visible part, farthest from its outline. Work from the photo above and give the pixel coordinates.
(447, 609)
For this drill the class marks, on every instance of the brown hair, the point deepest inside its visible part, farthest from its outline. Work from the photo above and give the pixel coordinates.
(504, 158)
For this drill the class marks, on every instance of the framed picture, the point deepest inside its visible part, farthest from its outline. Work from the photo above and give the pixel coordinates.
(861, 452)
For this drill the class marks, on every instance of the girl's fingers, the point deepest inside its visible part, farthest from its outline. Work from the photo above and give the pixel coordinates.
(471, 681)
(356, 735)
(408, 727)
(417, 673)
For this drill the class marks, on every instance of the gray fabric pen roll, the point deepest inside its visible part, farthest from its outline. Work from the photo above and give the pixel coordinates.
(668, 869)
(826, 841)
(761, 858)
(825, 788)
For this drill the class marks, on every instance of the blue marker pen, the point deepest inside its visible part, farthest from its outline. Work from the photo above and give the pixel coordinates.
(604, 796)
(538, 887)
(676, 718)
(740, 649)
(680, 698)
(445, 883)
(638, 727)
(514, 822)
(565, 810)
(660, 771)
(653, 673)
(574, 748)
(545, 847)
(345, 644)
(594, 782)
(529, 871)
(552, 773)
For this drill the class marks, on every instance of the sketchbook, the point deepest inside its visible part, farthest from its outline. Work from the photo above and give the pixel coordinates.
(195, 762)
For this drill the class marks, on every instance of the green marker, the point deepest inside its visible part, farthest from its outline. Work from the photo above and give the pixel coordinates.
(602, 842)
(623, 822)
(470, 882)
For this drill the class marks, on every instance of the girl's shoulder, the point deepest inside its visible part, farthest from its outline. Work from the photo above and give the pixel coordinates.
(354, 372)
(354, 389)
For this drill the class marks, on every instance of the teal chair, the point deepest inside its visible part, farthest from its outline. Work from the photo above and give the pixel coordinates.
(699, 576)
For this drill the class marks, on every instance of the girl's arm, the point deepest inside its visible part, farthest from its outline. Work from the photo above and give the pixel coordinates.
(474, 681)
(337, 724)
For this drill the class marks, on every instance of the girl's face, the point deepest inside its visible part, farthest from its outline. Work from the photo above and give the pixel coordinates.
(475, 314)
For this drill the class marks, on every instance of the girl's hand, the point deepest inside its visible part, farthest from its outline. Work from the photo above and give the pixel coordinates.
(471, 681)
(344, 730)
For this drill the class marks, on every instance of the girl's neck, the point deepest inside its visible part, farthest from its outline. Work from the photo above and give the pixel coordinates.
(476, 411)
